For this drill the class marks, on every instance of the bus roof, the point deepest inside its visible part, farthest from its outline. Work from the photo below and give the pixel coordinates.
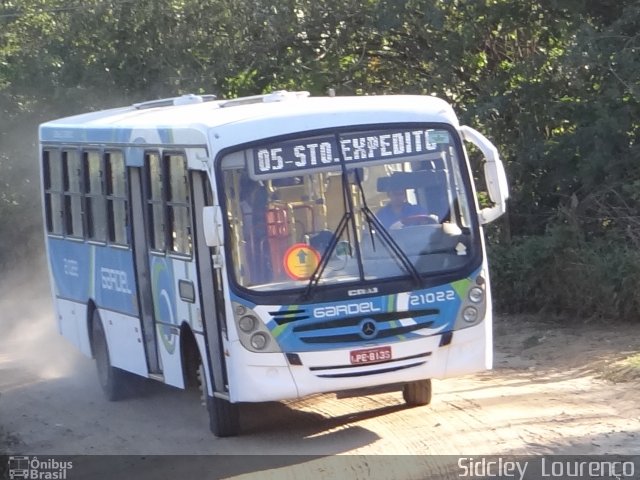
(191, 112)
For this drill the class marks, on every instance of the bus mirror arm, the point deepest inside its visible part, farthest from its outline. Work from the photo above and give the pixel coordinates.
(494, 174)
(212, 225)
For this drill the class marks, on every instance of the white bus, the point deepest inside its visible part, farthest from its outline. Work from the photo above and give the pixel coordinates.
(271, 247)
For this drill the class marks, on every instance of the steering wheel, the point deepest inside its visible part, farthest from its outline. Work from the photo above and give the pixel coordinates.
(419, 219)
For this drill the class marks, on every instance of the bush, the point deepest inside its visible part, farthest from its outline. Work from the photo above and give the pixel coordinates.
(559, 273)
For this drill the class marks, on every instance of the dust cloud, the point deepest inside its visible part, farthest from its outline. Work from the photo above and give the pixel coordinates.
(31, 348)
(31, 343)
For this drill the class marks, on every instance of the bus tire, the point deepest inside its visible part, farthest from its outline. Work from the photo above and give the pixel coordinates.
(417, 393)
(112, 379)
(224, 417)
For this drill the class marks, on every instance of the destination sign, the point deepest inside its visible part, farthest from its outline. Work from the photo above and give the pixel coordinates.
(324, 152)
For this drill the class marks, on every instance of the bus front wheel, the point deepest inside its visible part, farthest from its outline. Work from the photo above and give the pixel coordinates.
(112, 379)
(417, 393)
(224, 416)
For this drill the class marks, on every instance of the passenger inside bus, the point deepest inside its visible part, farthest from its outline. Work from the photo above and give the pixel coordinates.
(254, 202)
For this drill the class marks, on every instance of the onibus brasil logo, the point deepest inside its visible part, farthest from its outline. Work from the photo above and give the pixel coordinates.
(34, 468)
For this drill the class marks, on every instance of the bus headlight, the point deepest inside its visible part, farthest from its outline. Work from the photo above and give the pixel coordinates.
(470, 314)
(252, 332)
(259, 341)
(476, 294)
(247, 323)
(473, 308)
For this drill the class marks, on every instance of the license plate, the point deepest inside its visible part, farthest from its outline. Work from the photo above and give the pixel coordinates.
(370, 355)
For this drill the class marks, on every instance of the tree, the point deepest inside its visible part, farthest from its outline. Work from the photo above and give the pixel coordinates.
(553, 83)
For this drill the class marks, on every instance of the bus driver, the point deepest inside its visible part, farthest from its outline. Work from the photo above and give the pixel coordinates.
(398, 209)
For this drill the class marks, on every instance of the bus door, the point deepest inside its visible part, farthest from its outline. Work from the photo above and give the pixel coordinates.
(211, 294)
(143, 279)
(162, 206)
(176, 279)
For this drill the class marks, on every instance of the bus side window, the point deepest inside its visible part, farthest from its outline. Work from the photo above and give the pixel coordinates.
(72, 182)
(178, 205)
(116, 197)
(52, 176)
(155, 202)
(94, 196)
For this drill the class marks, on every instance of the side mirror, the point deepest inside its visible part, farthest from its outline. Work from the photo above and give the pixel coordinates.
(212, 224)
(494, 174)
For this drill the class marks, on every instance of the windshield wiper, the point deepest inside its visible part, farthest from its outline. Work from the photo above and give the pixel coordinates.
(372, 221)
(324, 260)
(386, 236)
(342, 226)
(366, 208)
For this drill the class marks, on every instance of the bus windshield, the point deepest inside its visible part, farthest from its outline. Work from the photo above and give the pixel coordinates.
(350, 207)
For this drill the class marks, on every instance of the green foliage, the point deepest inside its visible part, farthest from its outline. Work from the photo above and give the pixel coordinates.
(554, 84)
(560, 274)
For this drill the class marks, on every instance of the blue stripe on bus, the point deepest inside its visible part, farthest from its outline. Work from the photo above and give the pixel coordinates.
(104, 274)
(444, 298)
(120, 135)
(85, 135)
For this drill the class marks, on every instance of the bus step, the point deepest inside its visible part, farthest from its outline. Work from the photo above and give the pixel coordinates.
(157, 376)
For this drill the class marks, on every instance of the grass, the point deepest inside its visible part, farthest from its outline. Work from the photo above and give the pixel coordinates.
(624, 370)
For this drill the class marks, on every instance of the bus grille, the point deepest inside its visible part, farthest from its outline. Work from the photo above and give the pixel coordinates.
(350, 329)
(356, 337)
(288, 316)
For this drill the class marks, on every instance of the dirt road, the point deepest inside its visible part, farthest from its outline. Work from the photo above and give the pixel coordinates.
(545, 395)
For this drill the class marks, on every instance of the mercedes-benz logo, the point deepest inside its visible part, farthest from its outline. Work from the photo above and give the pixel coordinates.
(368, 329)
